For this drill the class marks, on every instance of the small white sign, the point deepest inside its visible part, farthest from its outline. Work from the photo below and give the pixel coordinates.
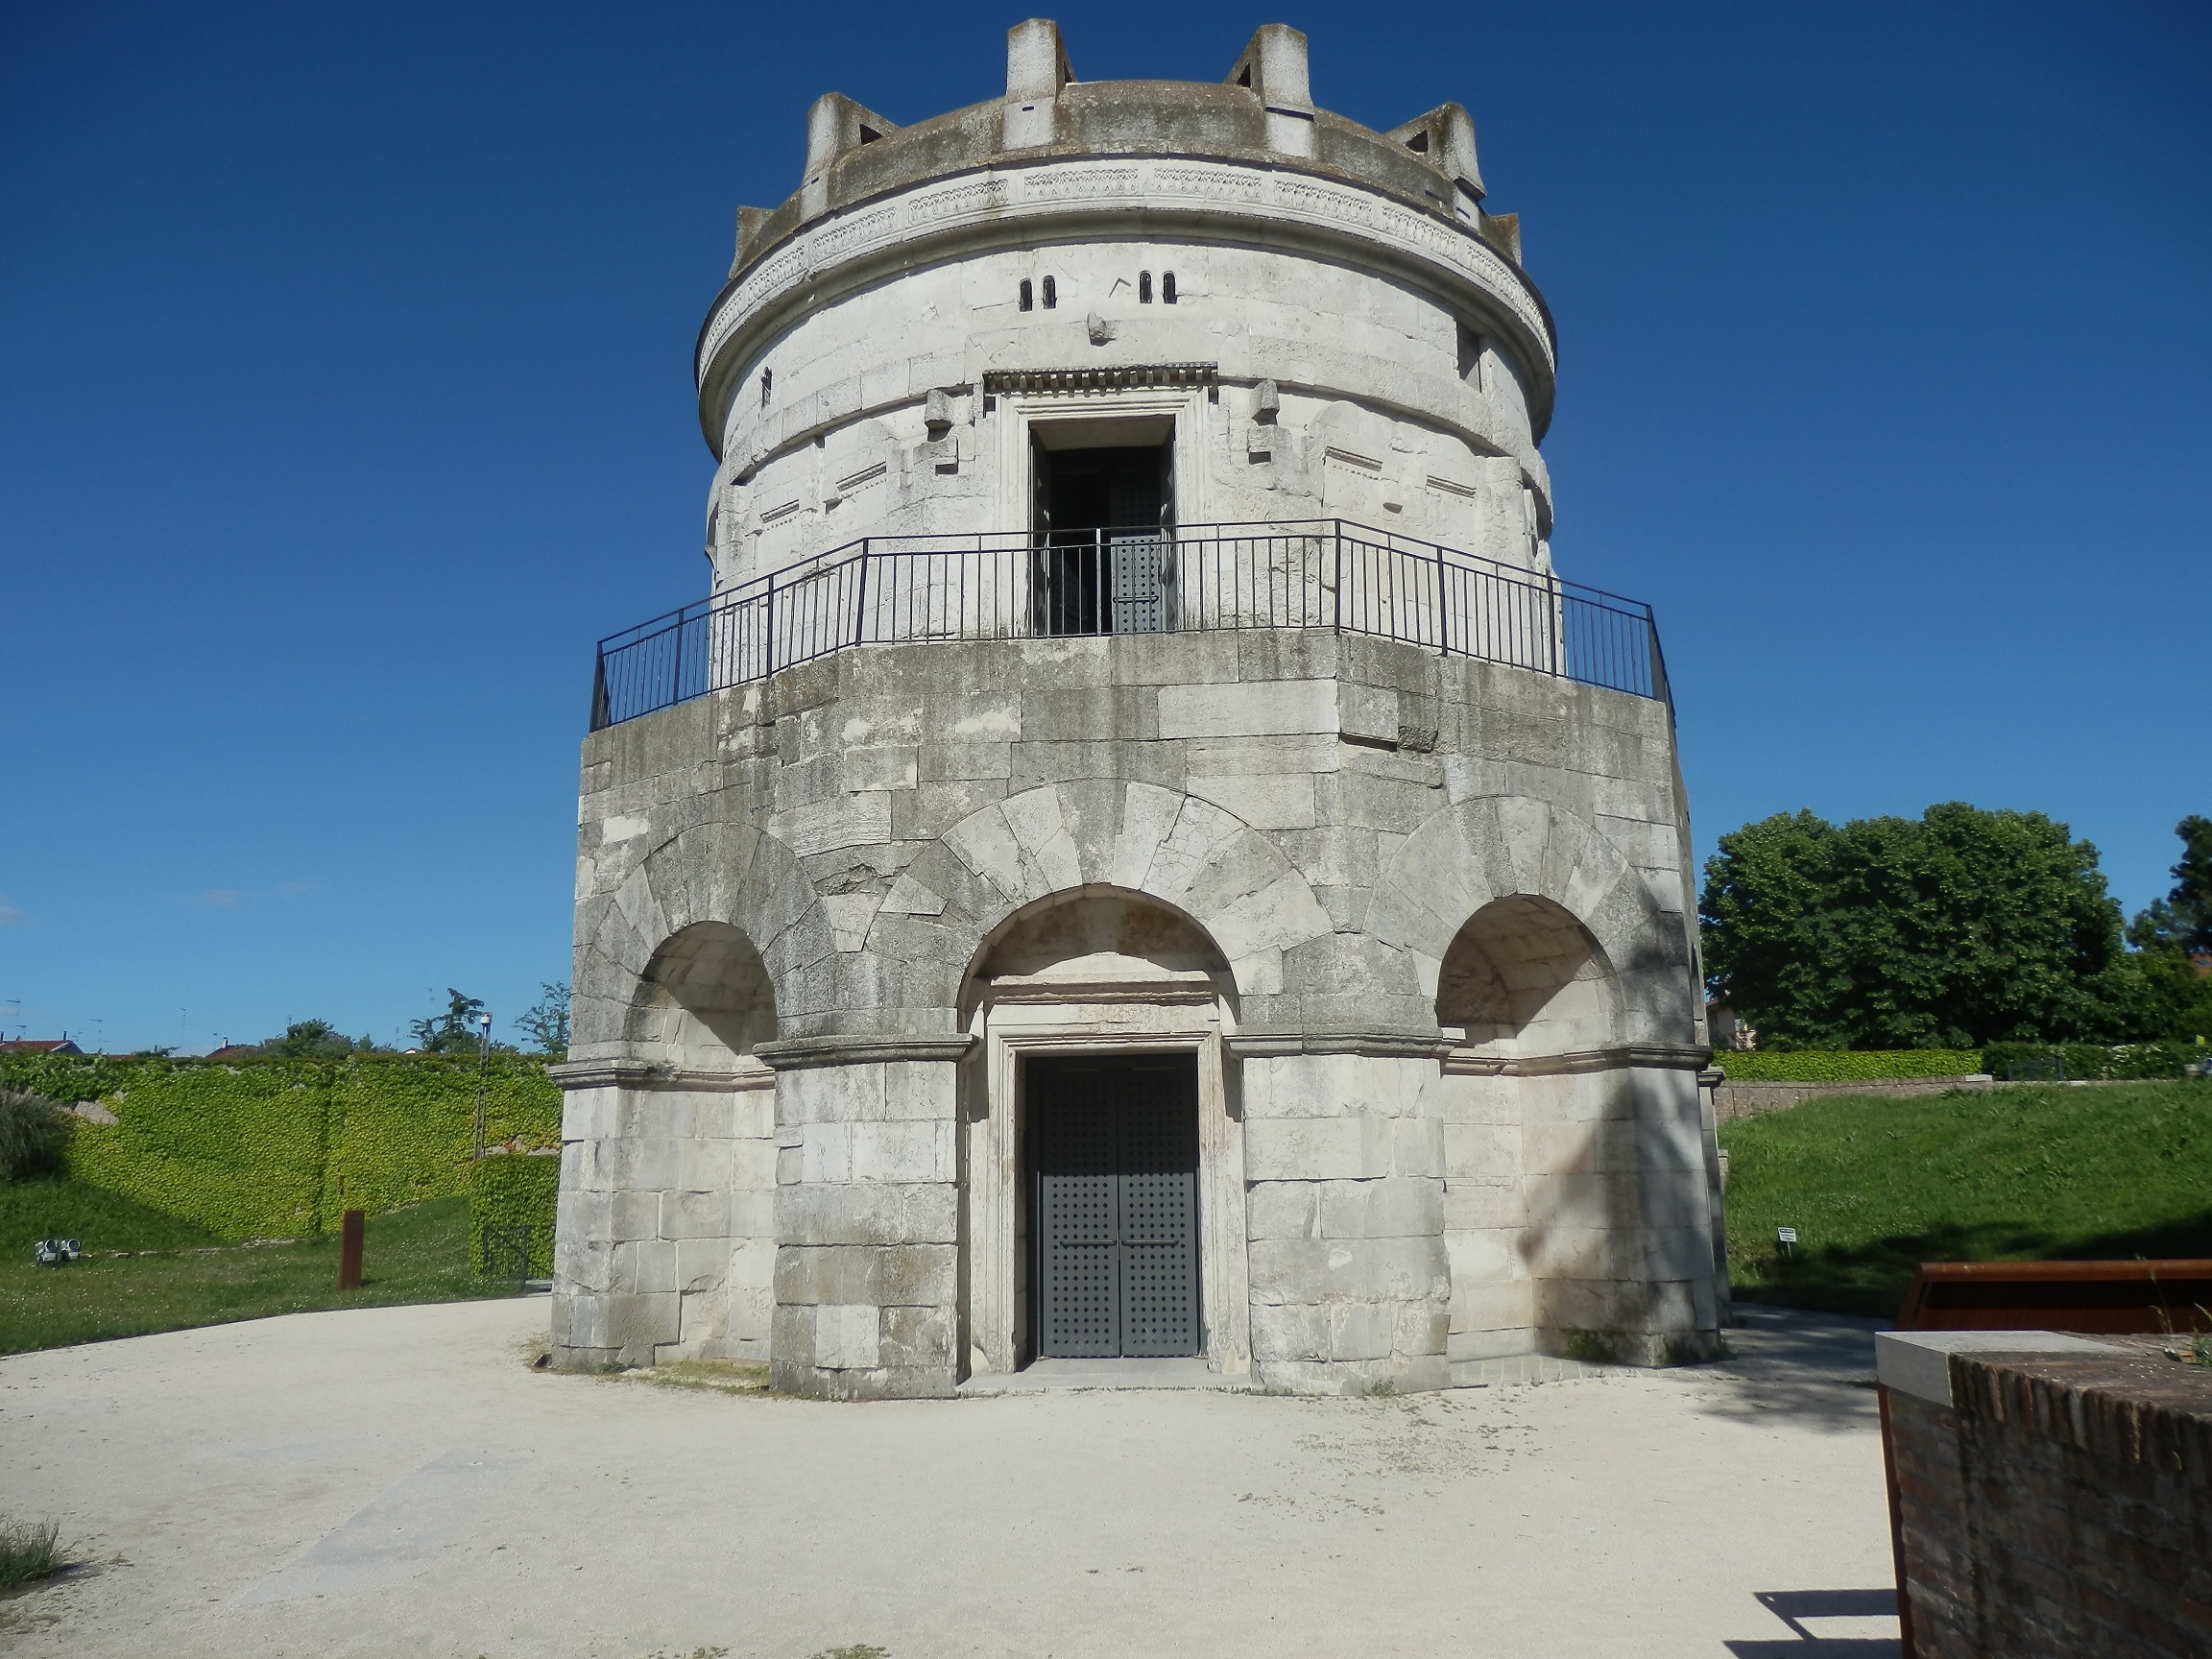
(1786, 1234)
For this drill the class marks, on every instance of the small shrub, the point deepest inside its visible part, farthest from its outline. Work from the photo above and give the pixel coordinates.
(30, 1550)
(32, 1132)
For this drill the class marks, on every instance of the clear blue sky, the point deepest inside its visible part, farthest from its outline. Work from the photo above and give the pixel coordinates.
(345, 400)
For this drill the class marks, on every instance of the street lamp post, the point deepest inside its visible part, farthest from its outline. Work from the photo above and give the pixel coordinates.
(483, 1064)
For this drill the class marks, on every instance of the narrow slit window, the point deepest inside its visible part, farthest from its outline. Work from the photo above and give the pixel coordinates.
(767, 386)
(1167, 287)
(1028, 295)
(1144, 287)
(1052, 294)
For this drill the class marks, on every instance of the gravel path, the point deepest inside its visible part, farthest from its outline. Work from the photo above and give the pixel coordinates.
(400, 1482)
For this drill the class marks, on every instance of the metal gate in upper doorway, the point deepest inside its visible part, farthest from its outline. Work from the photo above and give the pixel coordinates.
(1113, 1205)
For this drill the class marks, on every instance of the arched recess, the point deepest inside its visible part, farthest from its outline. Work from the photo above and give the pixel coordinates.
(704, 1000)
(1095, 936)
(1466, 857)
(638, 907)
(1058, 840)
(1525, 972)
(1103, 971)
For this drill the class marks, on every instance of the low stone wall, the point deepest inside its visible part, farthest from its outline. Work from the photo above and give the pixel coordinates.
(1732, 1101)
(2054, 1503)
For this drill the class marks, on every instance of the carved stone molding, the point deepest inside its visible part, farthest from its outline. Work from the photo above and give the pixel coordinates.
(1380, 1042)
(1466, 1062)
(642, 1074)
(796, 1053)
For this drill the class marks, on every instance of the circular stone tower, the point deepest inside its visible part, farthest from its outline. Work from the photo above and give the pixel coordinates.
(1138, 856)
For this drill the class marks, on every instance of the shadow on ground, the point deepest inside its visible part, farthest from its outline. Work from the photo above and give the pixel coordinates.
(1814, 1618)
(1815, 1368)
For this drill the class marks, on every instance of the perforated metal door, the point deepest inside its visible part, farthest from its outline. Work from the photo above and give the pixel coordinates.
(1137, 571)
(1114, 1149)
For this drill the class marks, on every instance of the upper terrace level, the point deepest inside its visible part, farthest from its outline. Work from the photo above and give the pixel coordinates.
(1326, 573)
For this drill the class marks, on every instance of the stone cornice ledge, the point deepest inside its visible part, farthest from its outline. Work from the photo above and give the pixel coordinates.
(796, 1053)
(1660, 1056)
(1377, 1040)
(640, 1075)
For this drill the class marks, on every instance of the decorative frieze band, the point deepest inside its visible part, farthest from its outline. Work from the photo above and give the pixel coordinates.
(1217, 190)
(1137, 377)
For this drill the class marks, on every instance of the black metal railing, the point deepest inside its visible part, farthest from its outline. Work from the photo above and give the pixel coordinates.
(1319, 574)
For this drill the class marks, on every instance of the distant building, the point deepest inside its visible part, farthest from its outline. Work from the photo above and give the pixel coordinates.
(40, 1045)
(1728, 1028)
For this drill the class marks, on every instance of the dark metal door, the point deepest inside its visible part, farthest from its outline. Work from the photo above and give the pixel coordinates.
(1115, 1154)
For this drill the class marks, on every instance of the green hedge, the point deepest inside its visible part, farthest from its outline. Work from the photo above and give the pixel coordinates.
(2131, 1061)
(513, 1191)
(269, 1148)
(1845, 1064)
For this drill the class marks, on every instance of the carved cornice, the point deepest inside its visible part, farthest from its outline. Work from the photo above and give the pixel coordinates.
(1137, 377)
(1381, 1042)
(1007, 204)
(1658, 1056)
(642, 1074)
(797, 1054)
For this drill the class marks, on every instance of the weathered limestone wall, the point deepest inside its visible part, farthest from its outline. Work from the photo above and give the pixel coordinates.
(1419, 1194)
(664, 1247)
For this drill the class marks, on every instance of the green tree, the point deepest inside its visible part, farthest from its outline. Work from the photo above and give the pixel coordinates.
(546, 1023)
(2172, 936)
(455, 1031)
(1951, 930)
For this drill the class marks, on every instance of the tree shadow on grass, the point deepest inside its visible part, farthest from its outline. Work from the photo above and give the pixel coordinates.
(1869, 1279)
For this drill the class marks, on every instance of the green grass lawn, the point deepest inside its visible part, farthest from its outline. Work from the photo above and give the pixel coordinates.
(1875, 1185)
(419, 1253)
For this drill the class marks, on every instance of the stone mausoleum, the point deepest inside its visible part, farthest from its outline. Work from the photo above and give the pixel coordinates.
(1138, 853)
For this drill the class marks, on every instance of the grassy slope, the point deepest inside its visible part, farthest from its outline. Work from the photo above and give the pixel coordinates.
(419, 1253)
(1875, 1185)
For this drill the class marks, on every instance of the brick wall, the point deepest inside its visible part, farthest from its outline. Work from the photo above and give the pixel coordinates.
(2059, 1506)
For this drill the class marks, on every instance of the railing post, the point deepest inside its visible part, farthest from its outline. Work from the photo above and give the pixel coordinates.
(768, 632)
(860, 604)
(1337, 582)
(1443, 609)
(676, 667)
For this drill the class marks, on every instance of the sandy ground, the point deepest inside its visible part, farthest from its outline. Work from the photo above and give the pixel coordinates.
(399, 1481)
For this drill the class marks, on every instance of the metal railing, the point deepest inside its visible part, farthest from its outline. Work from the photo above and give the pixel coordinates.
(1016, 586)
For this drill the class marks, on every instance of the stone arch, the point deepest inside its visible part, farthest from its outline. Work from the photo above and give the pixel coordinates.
(1522, 971)
(1091, 835)
(1466, 857)
(1096, 935)
(704, 1000)
(719, 873)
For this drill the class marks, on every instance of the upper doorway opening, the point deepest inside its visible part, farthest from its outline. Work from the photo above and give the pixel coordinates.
(1105, 505)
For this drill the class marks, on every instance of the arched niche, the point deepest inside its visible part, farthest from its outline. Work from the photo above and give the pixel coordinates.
(1522, 971)
(705, 999)
(1092, 939)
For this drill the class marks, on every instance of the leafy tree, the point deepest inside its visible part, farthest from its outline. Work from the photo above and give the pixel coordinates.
(1959, 928)
(546, 1023)
(455, 1031)
(2171, 934)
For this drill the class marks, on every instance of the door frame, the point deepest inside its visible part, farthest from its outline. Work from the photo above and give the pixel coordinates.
(1176, 1014)
(1190, 408)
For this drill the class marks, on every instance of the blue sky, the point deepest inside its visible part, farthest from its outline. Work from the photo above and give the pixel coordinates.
(345, 400)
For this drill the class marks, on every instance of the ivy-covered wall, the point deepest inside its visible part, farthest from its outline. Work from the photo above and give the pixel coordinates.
(280, 1148)
(514, 1193)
